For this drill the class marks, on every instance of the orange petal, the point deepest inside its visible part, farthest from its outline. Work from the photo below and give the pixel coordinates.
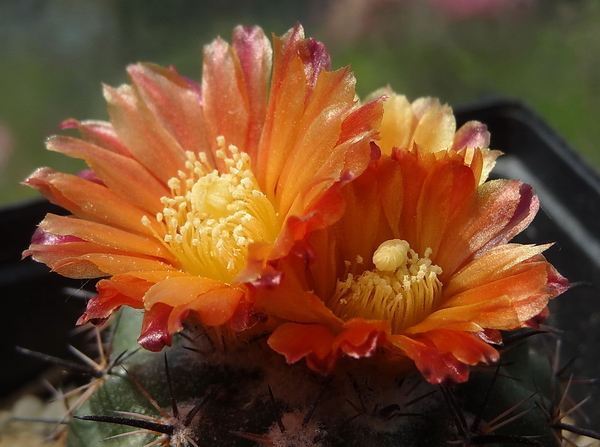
(318, 129)
(523, 282)
(464, 347)
(290, 299)
(123, 290)
(437, 367)
(111, 237)
(88, 200)
(500, 210)
(313, 341)
(471, 318)
(323, 212)
(98, 133)
(120, 174)
(98, 264)
(174, 103)
(143, 135)
(414, 166)
(80, 259)
(349, 158)
(361, 337)
(255, 54)
(495, 264)
(214, 301)
(448, 183)
(215, 307)
(223, 95)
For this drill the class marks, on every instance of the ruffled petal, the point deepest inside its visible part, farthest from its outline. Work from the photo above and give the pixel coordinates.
(311, 341)
(443, 356)
(465, 347)
(437, 367)
(155, 334)
(290, 298)
(361, 338)
(212, 300)
(122, 290)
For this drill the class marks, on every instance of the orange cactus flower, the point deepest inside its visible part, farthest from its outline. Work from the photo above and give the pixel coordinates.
(192, 188)
(419, 269)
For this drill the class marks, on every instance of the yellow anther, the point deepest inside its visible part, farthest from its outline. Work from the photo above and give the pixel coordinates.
(211, 217)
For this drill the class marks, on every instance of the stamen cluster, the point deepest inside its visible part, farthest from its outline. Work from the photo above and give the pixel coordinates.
(211, 217)
(402, 288)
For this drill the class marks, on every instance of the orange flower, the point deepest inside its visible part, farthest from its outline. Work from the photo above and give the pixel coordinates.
(419, 267)
(194, 187)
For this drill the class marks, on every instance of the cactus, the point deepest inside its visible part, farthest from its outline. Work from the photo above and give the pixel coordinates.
(239, 396)
(315, 271)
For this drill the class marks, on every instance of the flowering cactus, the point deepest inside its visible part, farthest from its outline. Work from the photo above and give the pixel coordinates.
(313, 267)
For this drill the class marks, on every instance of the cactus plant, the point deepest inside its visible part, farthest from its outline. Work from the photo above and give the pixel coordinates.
(251, 395)
(317, 271)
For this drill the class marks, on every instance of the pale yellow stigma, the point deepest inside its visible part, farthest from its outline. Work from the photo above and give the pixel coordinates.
(402, 289)
(211, 217)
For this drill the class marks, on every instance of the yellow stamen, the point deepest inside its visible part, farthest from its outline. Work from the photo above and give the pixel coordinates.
(402, 288)
(211, 217)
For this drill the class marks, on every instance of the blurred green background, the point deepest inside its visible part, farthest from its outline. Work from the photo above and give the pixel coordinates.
(54, 55)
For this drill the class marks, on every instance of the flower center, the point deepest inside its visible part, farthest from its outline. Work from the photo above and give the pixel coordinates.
(211, 217)
(402, 289)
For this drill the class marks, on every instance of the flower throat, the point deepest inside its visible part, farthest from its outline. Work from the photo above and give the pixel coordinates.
(211, 217)
(402, 288)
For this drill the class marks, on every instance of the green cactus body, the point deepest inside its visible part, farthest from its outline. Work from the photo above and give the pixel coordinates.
(245, 394)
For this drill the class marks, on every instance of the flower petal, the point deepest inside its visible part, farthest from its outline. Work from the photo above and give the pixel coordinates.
(255, 54)
(311, 341)
(437, 367)
(142, 133)
(122, 290)
(223, 95)
(436, 124)
(119, 173)
(88, 200)
(111, 237)
(291, 300)
(155, 334)
(471, 230)
(361, 338)
(464, 347)
(174, 103)
(214, 301)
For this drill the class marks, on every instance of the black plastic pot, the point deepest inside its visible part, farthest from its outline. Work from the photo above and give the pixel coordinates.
(39, 310)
